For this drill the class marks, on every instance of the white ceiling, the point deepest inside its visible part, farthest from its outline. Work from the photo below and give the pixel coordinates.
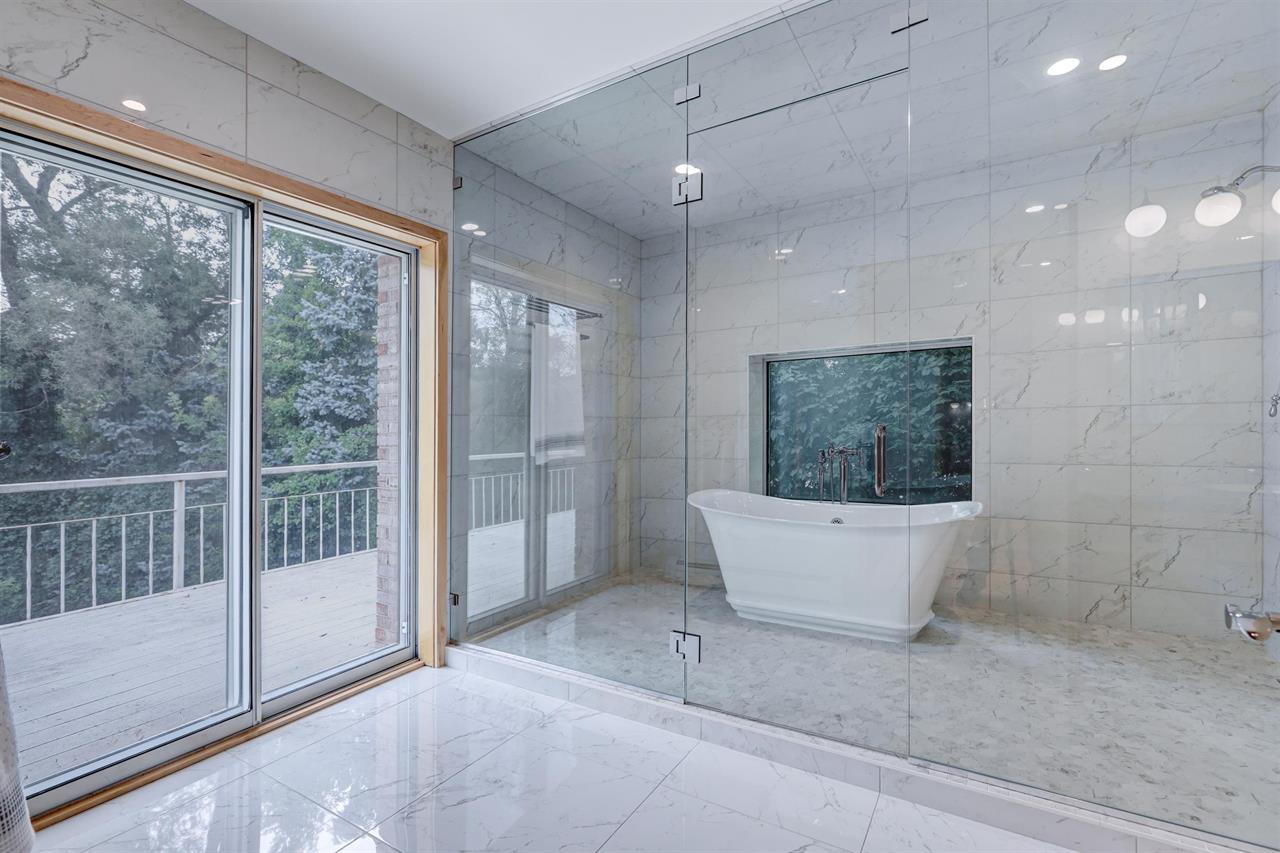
(456, 65)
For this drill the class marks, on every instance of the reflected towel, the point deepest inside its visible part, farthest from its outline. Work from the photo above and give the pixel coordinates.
(557, 429)
(16, 835)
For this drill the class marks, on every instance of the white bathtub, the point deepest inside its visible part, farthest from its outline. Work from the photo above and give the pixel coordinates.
(874, 574)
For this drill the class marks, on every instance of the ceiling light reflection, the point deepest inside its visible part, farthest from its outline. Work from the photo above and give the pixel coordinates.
(1112, 62)
(1063, 66)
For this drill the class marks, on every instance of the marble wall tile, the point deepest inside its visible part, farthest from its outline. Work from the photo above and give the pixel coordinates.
(284, 72)
(1183, 613)
(1227, 371)
(972, 549)
(750, 304)
(829, 333)
(1086, 318)
(1084, 493)
(728, 350)
(1208, 561)
(1084, 377)
(1080, 435)
(1058, 549)
(1089, 260)
(357, 161)
(424, 189)
(844, 292)
(185, 23)
(1056, 598)
(964, 588)
(93, 53)
(1198, 434)
(1204, 498)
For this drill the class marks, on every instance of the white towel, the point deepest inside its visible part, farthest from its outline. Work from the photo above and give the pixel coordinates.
(557, 429)
(16, 835)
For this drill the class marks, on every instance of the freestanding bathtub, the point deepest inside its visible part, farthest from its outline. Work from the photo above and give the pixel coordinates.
(867, 570)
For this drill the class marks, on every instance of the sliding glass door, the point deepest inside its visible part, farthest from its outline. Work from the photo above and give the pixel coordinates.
(205, 463)
(335, 391)
(123, 389)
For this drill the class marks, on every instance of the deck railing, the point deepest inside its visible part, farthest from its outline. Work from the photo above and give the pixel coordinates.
(499, 498)
(325, 524)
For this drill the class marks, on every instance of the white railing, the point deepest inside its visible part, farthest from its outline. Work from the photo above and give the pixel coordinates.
(500, 498)
(340, 522)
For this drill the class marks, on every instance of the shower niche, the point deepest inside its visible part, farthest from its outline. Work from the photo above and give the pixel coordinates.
(804, 403)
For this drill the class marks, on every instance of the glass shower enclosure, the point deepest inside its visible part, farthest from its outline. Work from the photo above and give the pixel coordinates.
(969, 268)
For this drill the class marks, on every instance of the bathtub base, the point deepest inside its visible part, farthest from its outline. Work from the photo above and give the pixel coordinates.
(892, 633)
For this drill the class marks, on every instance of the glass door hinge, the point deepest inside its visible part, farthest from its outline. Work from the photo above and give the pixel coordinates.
(900, 21)
(404, 627)
(686, 188)
(453, 599)
(687, 93)
(457, 182)
(686, 646)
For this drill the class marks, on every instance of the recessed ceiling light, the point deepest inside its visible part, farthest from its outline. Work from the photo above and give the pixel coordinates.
(687, 169)
(469, 226)
(1112, 62)
(480, 233)
(1035, 208)
(134, 105)
(1062, 206)
(1063, 66)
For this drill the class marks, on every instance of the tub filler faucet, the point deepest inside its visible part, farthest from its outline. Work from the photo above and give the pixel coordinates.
(839, 456)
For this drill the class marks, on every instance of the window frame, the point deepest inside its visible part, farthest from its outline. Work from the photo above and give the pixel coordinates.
(112, 146)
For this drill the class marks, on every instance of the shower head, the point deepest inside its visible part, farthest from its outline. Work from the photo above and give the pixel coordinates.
(1219, 205)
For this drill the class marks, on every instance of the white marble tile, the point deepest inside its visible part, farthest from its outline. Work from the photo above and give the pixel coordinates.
(1082, 493)
(424, 189)
(140, 806)
(355, 161)
(284, 72)
(1089, 318)
(954, 278)
(964, 588)
(1185, 614)
(643, 750)
(1207, 498)
(187, 24)
(675, 822)
(1059, 549)
(846, 292)
(1198, 309)
(1088, 260)
(828, 333)
(1080, 435)
(1227, 371)
(432, 145)
(834, 812)
(900, 826)
(1084, 377)
(1198, 434)
(524, 795)
(729, 350)
(90, 52)
(735, 306)
(389, 759)
(1057, 598)
(1208, 561)
(253, 812)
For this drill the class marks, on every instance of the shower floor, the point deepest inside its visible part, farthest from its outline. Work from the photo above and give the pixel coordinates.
(1181, 729)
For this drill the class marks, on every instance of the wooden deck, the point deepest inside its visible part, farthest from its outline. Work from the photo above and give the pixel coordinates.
(87, 683)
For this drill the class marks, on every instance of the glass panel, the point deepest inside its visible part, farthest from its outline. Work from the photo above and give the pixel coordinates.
(1122, 444)
(576, 252)
(817, 50)
(842, 398)
(334, 380)
(120, 588)
(789, 273)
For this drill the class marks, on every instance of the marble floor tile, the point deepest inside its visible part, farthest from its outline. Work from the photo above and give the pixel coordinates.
(522, 796)
(1075, 709)
(384, 762)
(253, 813)
(633, 747)
(140, 806)
(834, 812)
(900, 826)
(673, 822)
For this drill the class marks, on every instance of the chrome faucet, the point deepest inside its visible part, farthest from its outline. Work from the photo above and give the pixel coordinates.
(836, 455)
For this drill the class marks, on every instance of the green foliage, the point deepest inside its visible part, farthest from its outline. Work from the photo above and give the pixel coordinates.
(923, 397)
(115, 361)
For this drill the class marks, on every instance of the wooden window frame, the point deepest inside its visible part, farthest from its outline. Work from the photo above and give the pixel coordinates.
(27, 109)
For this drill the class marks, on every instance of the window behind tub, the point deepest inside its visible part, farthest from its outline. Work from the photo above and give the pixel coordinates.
(921, 394)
